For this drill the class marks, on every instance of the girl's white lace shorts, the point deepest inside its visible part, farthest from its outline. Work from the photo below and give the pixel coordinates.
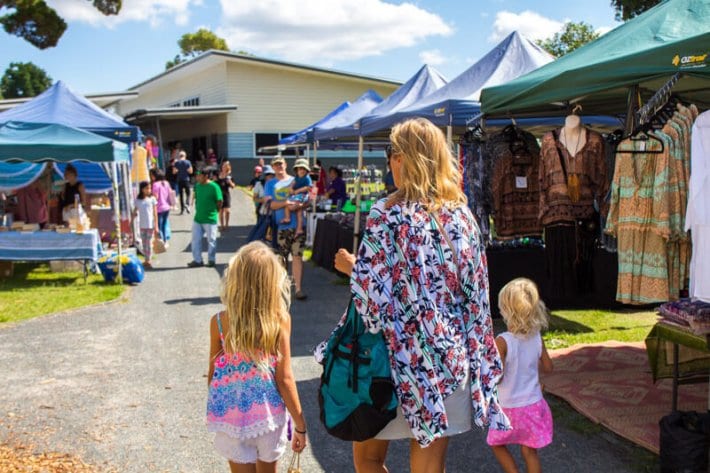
(267, 448)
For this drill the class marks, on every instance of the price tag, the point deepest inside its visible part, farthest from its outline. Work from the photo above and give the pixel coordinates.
(521, 182)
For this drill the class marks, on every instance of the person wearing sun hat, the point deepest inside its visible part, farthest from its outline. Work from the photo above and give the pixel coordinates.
(300, 192)
(278, 192)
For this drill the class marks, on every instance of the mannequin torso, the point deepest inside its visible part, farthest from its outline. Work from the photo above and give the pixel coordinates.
(572, 135)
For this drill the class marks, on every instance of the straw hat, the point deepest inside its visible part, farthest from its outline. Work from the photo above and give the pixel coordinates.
(302, 163)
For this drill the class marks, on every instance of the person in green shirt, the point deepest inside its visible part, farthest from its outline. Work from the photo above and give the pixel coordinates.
(208, 202)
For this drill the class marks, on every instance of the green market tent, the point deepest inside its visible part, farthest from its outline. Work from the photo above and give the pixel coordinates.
(40, 142)
(673, 37)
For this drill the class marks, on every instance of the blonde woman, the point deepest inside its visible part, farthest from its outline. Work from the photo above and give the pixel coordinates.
(420, 277)
(524, 354)
(225, 182)
(251, 384)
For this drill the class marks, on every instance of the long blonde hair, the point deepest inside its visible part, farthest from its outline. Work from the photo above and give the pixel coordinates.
(256, 291)
(521, 307)
(429, 173)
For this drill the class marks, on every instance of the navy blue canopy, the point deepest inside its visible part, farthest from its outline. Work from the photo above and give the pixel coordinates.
(305, 135)
(457, 102)
(352, 114)
(60, 105)
(424, 82)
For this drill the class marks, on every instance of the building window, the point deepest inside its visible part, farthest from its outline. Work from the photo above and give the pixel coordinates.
(265, 139)
(191, 102)
(174, 104)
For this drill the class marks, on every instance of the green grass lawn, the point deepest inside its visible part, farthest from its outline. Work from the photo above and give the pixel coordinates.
(570, 327)
(35, 290)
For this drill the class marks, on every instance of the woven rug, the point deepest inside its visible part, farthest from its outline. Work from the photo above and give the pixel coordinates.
(611, 384)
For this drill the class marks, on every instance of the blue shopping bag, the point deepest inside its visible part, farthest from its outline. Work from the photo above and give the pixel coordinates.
(131, 268)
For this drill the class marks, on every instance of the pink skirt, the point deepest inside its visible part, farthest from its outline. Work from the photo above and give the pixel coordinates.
(532, 426)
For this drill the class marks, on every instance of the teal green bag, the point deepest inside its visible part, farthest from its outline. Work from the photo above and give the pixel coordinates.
(356, 395)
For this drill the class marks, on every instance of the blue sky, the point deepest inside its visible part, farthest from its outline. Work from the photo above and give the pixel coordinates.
(384, 38)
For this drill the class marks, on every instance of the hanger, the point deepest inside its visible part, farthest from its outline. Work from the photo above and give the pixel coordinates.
(644, 135)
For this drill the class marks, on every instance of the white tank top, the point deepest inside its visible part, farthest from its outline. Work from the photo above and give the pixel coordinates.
(521, 383)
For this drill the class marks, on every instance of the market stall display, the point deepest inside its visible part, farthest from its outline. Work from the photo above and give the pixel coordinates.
(51, 245)
(676, 352)
(60, 106)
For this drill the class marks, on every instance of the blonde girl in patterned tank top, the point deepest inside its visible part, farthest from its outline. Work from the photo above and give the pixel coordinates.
(252, 389)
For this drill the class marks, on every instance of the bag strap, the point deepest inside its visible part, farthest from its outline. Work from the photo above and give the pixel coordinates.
(295, 462)
(219, 326)
(442, 230)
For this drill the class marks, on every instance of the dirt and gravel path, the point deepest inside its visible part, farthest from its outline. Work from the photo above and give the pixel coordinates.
(122, 386)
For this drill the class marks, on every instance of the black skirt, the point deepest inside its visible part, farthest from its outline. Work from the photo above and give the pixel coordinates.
(568, 253)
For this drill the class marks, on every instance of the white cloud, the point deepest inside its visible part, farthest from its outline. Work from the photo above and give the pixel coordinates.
(433, 57)
(326, 30)
(529, 23)
(602, 30)
(155, 12)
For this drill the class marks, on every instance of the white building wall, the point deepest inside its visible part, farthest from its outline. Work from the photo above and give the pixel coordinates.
(277, 99)
(208, 84)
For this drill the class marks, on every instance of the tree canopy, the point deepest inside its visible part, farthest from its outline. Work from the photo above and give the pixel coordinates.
(627, 9)
(24, 79)
(192, 44)
(39, 24)
(572, 36)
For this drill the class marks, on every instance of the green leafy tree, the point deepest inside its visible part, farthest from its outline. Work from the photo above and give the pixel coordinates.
(627, 9)
(572, 36)
(192, 44)
(24, 79)
(38, 23)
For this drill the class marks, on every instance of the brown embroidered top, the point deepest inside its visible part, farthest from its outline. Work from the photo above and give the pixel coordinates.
(514, 183)
(589, 165)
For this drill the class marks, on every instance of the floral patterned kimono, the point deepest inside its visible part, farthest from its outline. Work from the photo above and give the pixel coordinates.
(435, 316)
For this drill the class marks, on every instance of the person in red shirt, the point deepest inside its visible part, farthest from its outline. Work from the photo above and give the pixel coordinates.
(32, 204)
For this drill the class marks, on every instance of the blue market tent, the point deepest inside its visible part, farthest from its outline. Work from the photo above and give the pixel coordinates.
(306, 134)
(352, 114)
(59, 104)
(95, 178)
(15, 176)
(423, 83)
(457, 102)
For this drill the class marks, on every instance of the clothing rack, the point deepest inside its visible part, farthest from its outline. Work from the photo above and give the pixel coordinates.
(659, 99)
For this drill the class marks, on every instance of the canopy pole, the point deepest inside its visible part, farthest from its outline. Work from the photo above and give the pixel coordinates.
(356, 225)
(450, 133)
(117, 217)
(315, 155)
(161, 155)
(632, 105)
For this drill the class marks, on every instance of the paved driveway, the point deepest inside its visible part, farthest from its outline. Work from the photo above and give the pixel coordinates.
(123, 385)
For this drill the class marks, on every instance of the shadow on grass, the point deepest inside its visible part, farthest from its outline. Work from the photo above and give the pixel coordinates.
(28, 275)
(560, 324)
